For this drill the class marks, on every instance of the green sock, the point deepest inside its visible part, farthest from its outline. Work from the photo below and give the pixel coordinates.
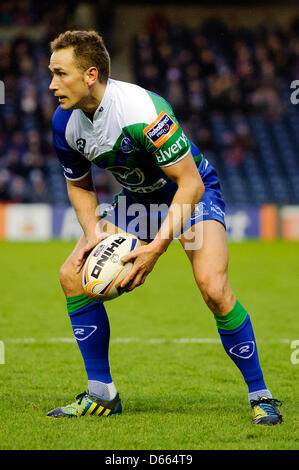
(232, 319)
(76, 302)
(237, 337)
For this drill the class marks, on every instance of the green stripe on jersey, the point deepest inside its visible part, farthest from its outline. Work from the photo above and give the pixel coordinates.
(161, 104)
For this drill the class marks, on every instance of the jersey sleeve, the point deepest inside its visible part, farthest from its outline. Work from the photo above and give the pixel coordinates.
(164, 138)
(74, 165)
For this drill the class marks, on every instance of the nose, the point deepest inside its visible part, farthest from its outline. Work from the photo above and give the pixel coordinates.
(52, 86)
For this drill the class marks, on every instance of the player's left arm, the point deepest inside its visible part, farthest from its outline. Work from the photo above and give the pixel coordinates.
(190, 190)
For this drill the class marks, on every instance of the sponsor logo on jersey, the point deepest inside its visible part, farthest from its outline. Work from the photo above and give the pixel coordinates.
(161, 129)
(81, 144)
(148, 189)
(166, 154)
(132, 179)
(243, 350)
(127, 176)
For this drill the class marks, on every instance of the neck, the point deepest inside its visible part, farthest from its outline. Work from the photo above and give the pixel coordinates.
(92, 102)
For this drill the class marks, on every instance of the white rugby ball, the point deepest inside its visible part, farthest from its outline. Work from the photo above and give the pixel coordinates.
(104, 271)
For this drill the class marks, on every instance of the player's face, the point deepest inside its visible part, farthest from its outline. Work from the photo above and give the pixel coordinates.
(68, 82)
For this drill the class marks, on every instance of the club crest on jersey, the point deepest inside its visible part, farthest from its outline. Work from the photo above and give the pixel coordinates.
(126, 144)
(161, 129)
(81, 144)
(243, 350)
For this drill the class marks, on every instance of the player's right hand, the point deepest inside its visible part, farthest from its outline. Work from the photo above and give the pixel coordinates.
(85, 246)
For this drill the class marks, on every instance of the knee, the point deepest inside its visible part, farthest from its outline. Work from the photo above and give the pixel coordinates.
(70, 279)
(216, 292)
(66, 275)
(211, 287)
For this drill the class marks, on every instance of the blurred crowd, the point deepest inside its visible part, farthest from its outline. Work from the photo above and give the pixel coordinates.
(217, 70)
(203, 72)
(25, 120)
(26, 149)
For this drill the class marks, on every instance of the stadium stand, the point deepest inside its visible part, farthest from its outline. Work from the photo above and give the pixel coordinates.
(230, 89)
(29, 171)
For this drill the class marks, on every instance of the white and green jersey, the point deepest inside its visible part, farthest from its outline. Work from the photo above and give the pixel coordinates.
(133, 134)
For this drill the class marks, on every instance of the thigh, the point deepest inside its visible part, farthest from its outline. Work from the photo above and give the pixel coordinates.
(209, 260)
(205, 244)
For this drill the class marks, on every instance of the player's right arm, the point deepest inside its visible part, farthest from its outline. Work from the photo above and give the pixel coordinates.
(85, 203)
(77, 171)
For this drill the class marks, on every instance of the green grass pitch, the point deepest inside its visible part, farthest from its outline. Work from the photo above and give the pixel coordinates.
(179, 389)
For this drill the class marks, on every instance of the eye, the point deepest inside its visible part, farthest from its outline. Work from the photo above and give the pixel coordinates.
(58, 72)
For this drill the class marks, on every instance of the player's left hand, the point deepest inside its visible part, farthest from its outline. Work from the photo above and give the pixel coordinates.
(144, 259)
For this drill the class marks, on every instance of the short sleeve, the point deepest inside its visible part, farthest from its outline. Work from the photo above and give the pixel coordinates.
(74, 165)
(164, 137)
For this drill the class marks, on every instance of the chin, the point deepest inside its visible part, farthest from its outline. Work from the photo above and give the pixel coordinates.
(66, 107)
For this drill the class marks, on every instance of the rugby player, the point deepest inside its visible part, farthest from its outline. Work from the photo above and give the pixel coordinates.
(133, 133)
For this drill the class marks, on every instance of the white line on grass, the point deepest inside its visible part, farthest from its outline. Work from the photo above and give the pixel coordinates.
(138, 340)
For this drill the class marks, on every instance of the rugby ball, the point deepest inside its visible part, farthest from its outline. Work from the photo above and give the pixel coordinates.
(104, 271)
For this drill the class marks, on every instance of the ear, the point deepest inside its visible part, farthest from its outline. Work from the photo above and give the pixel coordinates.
(91, 75)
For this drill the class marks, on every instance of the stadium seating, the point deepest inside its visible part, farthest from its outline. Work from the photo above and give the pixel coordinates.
(231, 95)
